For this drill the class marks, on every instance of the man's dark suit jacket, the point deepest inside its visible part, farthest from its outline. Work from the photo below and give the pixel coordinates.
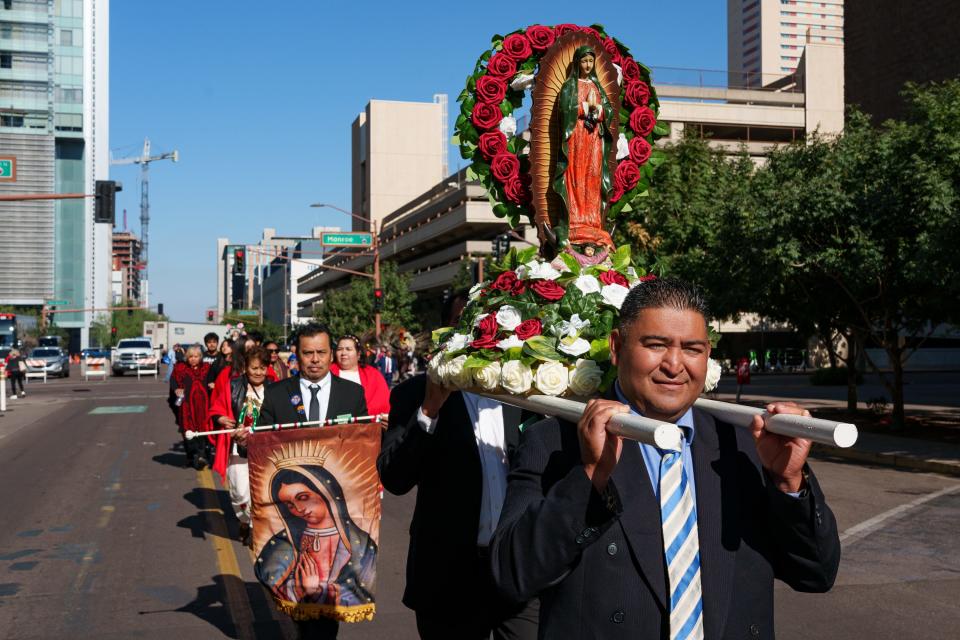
(597, 560)
(443, 571)
(283, 401)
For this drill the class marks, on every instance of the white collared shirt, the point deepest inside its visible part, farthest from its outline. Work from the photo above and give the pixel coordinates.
(323, 395)
(487, 418)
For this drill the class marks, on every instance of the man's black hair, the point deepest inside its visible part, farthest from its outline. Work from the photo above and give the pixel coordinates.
(312, 329)
(670, 293)
(211, 336)
(256, 336)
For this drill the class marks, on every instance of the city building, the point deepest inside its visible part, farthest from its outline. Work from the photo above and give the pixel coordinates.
(279, 297)
(766, 38)
(126, 268)
(54, 120)
(889, 43)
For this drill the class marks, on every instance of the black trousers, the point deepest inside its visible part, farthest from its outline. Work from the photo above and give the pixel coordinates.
(492, 616)
(321, 629)
(16, 378)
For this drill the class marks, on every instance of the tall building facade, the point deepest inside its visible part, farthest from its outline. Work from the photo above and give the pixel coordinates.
(766, 38)
(126, 268)
(54, 119)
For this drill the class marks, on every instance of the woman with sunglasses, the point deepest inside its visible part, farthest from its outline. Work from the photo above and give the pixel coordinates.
(276, 369)
(347, 366)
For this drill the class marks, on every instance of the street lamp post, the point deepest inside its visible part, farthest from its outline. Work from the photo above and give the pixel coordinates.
(376, 254)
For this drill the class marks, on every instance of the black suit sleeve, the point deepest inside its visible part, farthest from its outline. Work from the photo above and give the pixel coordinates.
(551, 513)
(806, 543)
(268, 410)
(405, 445)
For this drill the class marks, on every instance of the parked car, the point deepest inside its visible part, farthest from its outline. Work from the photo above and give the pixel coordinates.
(128, 354)
(95, 353)
(55, 361)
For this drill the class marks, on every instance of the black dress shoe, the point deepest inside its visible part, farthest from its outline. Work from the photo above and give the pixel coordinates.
(200, 464)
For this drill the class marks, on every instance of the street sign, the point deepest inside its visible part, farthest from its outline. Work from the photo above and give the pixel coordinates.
(346, 239)
(8, 169)
(51, 303)
(246, 312)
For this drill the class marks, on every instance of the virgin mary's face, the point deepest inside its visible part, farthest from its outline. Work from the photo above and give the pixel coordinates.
(305, 503)
(586, 65)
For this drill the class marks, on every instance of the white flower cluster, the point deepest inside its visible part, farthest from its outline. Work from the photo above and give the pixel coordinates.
(517, 378)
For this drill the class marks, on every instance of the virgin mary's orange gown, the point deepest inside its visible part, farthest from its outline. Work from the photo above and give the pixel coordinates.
(584, 173)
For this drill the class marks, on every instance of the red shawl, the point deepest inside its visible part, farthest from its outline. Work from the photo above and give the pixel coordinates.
(375, 389)
(194, 414)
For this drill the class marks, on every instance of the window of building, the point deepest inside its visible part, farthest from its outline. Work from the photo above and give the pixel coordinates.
(8, 4)
(66, 37)
(6, 60)
(11, 121)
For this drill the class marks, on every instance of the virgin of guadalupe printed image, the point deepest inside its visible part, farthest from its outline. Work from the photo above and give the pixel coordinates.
(320, 556)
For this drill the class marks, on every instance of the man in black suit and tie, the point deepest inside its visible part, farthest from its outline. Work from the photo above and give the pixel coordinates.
(621, 539)
(455, 449)
(313, 395)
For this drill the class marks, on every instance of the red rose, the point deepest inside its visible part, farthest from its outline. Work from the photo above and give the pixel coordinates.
(540, 37)
(488, 333)
(486, 115)
(505, 281)
(547, 289)
(518, 287)
(517, 47)
(626, 176)
(516, 191)
(648, 278)
(631, 70)
(529, 328)
(491, 89)
(640, 150)
(611, 48)
(642, 121)
(614, 277)
(561, 29)
(617, 194)
(590, 31)
(637, 93)
(502, 65)
(504, 166)
(491, 143)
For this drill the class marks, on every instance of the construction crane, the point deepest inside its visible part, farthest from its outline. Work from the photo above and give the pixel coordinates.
(144, 161)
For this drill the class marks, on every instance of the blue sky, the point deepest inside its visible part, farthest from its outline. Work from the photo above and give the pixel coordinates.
(259, 97)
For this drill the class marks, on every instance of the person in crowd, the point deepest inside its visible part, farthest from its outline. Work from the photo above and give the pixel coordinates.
(387, 364)
(224, 361)
(278, 369)
(313, 395)
(170, 359)
(611, 533)
(237, 402)
(455, 448)
(292, 366)
(17, 372)
(190, 403)
(347, 366)
(210, 341)
(256, 336)
(180, 352)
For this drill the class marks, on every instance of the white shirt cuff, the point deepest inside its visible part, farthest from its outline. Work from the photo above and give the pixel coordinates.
(426, 423)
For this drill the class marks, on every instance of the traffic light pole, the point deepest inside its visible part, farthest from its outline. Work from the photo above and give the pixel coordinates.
(376, 275)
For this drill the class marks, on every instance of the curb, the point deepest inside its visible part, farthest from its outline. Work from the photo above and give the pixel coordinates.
(888, 460)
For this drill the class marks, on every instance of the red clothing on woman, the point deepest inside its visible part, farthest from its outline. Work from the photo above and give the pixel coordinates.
(375, 390)
(194, 414)
(221, 404)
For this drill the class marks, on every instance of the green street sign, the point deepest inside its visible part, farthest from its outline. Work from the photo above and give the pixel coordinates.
(51, 303)
(8, 169)
(246, 312)
(346, 239)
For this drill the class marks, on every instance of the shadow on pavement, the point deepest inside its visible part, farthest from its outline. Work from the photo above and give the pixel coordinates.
(200, 524)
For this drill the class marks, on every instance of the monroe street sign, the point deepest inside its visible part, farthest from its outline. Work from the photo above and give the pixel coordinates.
(346, 239)
(8, 169)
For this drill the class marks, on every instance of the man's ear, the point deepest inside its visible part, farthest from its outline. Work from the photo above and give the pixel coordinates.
(616, 342)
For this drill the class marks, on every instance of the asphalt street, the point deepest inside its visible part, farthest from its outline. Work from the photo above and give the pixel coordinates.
(106, 535)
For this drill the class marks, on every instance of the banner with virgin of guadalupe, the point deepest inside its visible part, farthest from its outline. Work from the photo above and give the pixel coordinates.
(316, 519)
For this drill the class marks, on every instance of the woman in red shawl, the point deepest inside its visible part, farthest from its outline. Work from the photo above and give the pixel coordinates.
(191, 404)
(348, 367)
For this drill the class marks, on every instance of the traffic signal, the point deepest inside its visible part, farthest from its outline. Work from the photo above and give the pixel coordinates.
(160, 309)
(129, 313)
(209, 315)
(105, 201)
(378, 300)
(239, 262)
(500, 246)
(113, 331)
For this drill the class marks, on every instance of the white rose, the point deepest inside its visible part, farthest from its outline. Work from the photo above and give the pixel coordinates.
(457, 341)
(488, 377)
(613, 294)
(587, 284)
(552, 378)
(508, 126)
(516, 377)
(541, 271)
(455, 375)
(508, 317)
(714, 370)
(475, 291)
(585, 377)
(522, 82)
(573, 346)
(619, 74)
(623, 147)
(435, 369)
(509, 343)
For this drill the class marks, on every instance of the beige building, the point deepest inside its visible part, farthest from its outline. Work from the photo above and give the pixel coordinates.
(766, 38)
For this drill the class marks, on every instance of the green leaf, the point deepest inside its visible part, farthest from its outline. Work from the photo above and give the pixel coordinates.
(571, 263)
(600, 349)
(662, 128)
(439, 335)
(471, 174)
(657, 158)
(526, 255)
(454, 140)
(542, 348)
(476, 362)
(505, 107)
(609, 377)
(621, 257)
(513, 353)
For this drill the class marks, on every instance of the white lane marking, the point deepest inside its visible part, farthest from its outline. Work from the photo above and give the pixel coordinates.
(867, 527)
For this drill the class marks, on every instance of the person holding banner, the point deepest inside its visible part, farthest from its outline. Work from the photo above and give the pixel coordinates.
(455, 448)
(621, 538)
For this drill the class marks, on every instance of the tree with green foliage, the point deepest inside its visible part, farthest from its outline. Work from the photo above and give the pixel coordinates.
(350, 309)
(129, 324)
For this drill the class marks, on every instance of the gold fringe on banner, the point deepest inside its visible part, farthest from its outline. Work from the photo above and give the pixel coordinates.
(308, 611)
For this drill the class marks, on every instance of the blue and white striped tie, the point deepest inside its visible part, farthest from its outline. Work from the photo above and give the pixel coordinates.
(681, 548)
